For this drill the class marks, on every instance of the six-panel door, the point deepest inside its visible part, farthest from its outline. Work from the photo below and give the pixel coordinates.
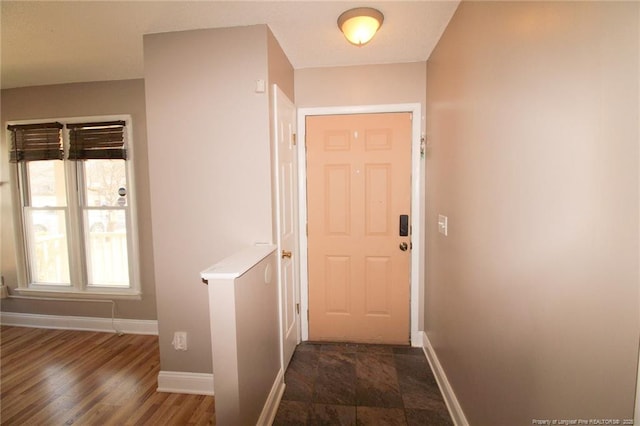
(358, 185)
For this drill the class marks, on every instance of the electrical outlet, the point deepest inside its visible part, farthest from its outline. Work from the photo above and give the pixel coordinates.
(180, 341)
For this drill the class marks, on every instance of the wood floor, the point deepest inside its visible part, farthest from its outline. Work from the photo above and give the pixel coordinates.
(61, 377)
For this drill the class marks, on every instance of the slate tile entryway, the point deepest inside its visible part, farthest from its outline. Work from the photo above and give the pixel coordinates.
(354, 384)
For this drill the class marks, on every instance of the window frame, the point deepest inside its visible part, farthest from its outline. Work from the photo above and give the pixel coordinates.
(74, 173)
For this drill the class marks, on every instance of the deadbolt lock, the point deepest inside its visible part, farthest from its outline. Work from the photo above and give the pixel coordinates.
(286, 254)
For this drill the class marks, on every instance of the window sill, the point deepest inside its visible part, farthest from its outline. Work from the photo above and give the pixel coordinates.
(77, 295)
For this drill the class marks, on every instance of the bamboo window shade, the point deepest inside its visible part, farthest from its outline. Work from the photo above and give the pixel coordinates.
(97, 141)
(33, 142)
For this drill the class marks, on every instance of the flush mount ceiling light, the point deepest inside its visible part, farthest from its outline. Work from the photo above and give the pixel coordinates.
(359, 25)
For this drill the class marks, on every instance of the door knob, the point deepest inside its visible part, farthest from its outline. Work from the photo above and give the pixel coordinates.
(404, 246)
(287, 254)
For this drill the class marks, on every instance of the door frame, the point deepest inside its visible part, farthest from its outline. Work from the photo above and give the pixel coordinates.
(417, 258)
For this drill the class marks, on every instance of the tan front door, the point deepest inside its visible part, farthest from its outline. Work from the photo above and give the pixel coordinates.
(358, 186)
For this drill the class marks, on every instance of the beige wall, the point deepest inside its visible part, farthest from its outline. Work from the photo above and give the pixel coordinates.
(360, 85)
(366, 85)
(532, 299)
(209, 168)
(280, 69)
(79, 100)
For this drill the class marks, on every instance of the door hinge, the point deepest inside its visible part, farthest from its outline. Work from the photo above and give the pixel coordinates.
(307, 315)
(307, 229)
(294, 139)
(298, 308)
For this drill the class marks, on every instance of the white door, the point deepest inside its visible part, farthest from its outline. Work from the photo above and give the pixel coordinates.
(286, 185)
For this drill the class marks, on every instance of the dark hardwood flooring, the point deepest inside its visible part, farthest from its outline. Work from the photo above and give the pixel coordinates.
(61, 377)
(352, 384)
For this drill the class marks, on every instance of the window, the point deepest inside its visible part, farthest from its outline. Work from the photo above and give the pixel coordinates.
(75, 201)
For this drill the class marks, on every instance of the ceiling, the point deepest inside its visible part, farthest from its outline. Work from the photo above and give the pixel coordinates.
(51, 42)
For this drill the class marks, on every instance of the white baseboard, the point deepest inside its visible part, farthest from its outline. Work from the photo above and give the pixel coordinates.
(449, 396)
(182, 382)
(129, 326)
(273, 401)
(416, 339)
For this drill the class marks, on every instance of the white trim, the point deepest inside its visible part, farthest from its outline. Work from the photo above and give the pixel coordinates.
(457, 415)
(129, 326)
(416, 213)
(35, 292)
(184, 382)
(419, 342)
(238, 263)
(273, 401)
(636, 411)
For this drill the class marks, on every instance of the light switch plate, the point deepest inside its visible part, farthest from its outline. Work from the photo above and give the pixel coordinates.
(443, 222)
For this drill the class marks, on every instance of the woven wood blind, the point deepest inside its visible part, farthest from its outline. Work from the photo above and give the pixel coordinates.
(97, 141)
(33, 142)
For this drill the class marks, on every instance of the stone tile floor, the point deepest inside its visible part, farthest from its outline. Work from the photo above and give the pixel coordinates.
(355, 384)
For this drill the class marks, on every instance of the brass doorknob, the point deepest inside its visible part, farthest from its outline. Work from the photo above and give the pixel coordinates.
(404, 246)
(286, 254)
